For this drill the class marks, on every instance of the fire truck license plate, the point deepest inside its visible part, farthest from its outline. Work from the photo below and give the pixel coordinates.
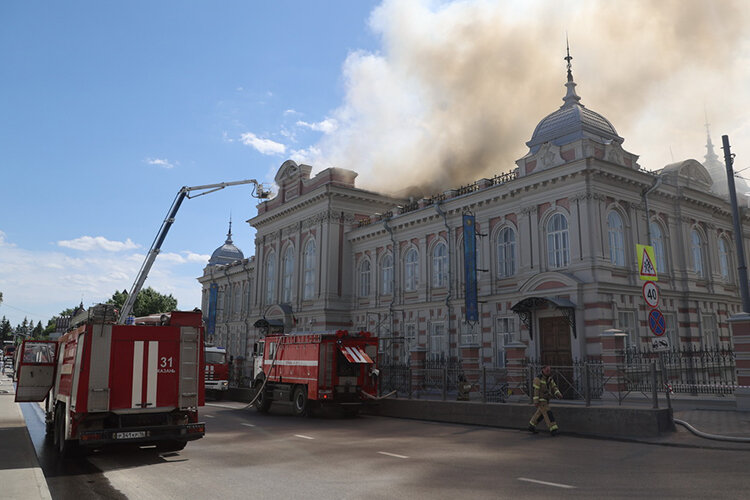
(130, 435)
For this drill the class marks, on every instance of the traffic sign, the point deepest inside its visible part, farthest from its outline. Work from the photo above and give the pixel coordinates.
(660, 344)
(651, 294)
(646, 263)
(657, 323)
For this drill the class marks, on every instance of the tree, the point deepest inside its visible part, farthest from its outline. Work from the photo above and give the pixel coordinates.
(51, 326)
(6, 330)
(37, 331)
(148, 301)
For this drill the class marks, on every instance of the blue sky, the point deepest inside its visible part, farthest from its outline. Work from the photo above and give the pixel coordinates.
(110, 107)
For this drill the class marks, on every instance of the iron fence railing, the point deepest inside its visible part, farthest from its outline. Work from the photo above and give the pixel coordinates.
(642, 374)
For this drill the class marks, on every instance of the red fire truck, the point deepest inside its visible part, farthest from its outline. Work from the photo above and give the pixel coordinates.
(108, 383)
(217, 370)
(316, 369)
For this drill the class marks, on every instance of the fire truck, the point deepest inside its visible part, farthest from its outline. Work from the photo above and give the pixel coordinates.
(216, 370)
(311, 370)
(106, 383)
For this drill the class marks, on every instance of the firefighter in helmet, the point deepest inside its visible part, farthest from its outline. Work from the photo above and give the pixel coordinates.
(544, 388)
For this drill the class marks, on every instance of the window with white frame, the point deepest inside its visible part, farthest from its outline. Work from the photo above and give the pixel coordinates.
(724, 259)
(657, 241)
(696, 251)
(558, 252)
(308, 291)
(710, 331)
(246, 293)
(237, 298)
(506, 253)
(438, 342)
(411, 270)
(220, 305)
(287, 274)
(364, 278)
(440, 265)
(410, 334)
(386, 275)
(505, 334)
(626, 323)
(616, 239)
(270, 277)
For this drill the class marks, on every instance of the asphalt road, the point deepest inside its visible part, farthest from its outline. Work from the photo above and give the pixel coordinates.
(250, 455)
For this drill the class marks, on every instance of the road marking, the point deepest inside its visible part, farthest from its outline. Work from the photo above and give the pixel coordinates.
(209, 416)
(392, 454)
(303, 436)
(249, 425)
(558, 485)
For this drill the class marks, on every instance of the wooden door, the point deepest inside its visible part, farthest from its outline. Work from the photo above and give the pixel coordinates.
(554, 340)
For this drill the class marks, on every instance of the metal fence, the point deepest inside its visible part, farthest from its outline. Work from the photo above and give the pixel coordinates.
(687, 371)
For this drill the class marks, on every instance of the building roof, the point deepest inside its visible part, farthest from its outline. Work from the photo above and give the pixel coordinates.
(226, 253)
(572, 121)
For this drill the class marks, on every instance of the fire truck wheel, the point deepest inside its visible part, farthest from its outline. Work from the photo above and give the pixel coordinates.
(262, 402)
(301, 406)
(65, 447)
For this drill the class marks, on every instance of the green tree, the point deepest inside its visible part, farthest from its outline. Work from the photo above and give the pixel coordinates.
(51, 326)
(6, 330)
(36, 332)
(148, 301)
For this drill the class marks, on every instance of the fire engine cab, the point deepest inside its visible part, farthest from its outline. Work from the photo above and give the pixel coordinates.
(312, 370)
(216, 369)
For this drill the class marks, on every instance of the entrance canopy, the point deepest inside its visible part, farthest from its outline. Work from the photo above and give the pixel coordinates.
(525, 307)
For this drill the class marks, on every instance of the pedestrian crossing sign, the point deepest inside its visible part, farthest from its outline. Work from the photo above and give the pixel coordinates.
(646, 263)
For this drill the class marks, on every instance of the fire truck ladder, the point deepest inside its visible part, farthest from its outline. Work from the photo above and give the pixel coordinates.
(259, 192)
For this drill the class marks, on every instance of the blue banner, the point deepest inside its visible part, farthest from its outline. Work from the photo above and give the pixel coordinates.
(213, 293)
(470, 268)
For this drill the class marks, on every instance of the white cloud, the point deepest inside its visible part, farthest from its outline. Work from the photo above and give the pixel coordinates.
(40, 284)
(327, 126)
(288, 112)
(89, 243)
(161, 162)
(263, 146)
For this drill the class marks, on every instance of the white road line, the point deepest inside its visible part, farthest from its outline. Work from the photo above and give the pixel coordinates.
(558, 485)
(392, 454)
(249, 425)
(303, 436)
(209, 416)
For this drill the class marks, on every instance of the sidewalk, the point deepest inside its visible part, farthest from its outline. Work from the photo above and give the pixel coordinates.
(21, 478)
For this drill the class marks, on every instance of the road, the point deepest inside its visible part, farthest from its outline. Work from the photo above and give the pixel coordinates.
(250, 455)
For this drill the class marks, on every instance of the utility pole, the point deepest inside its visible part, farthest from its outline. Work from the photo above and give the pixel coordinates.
(738, 237)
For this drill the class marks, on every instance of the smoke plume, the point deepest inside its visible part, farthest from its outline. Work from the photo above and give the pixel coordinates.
(458, 87)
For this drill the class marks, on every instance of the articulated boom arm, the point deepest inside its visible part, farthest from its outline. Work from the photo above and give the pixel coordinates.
(258, 192)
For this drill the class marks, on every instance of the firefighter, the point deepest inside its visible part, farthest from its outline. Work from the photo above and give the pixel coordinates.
(544, 388)
(464, 388)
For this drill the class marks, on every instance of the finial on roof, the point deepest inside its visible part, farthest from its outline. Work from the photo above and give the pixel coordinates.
(229, 234)
(710, 156)
(570, 96)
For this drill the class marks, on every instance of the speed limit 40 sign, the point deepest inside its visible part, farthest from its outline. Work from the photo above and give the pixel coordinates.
(651, 294)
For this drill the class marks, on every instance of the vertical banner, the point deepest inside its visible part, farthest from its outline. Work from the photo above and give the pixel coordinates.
(470, 268)
(213, 293)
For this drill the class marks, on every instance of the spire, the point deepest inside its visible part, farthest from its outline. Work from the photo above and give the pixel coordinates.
(571, 97)
(710, 157)
(229, 234)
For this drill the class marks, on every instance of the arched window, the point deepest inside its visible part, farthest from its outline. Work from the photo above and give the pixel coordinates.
(287, 272)
(724, 259)
(616, 239)
(270, 277)
(696, 250)
(440, 265)
(309, 277)
(657, 241)
(506, 253)
(411, 270)
(558, 252)
(364, 278)
(386, 275)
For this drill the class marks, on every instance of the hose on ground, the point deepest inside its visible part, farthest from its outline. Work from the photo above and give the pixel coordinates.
(706, 435)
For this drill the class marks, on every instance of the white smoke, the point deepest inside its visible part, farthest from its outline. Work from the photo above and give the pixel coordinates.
(458, 87)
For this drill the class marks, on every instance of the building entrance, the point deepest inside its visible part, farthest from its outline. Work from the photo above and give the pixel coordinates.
(555, 350)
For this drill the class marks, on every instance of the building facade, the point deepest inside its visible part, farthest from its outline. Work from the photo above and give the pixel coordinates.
(556, 257)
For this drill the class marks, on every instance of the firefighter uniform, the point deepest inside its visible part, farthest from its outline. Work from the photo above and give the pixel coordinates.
(544, 388)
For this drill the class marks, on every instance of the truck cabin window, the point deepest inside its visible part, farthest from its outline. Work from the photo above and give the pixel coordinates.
(216, 358)
(39, 352)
